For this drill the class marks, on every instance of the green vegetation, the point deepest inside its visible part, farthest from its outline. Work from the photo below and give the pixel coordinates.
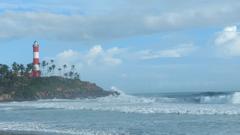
(16, 83)
(48, 68)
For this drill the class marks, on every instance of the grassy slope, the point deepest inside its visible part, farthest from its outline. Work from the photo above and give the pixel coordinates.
(22, 88)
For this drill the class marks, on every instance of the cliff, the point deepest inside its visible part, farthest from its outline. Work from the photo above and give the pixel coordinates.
(26, 89)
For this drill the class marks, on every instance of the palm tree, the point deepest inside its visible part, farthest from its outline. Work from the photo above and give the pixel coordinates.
(52, 61)
(4, 70)
(49, 69)
(65, 67)
(47, 65)
(60, 73)
(76, 76)
(44, 64)
(71, 74)
(22, 69)
(66, 75)
(53, 68)
(15, 67)
(28, 68)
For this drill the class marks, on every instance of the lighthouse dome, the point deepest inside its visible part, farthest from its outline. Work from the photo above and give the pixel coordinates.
(35, 43)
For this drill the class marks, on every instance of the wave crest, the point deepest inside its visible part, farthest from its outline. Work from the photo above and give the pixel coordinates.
(197, 104)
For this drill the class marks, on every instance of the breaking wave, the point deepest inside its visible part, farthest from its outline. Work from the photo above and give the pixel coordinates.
(208, 103)
(203, 98)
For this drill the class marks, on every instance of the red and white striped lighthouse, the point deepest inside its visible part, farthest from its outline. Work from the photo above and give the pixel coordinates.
(36, 63)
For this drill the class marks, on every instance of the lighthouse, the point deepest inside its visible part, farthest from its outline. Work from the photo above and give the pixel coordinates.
(36, 63)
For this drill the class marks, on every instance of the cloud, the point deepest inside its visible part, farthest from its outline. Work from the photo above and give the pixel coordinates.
(67, 27)
(98, 56)
(177, 52)
(228, 41)
(95, 23)
(68, 57)
(95, 56)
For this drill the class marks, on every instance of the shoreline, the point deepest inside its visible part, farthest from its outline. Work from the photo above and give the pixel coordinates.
(113, 93)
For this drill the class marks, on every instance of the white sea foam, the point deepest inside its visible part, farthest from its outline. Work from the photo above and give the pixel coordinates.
(235, 98)
(145, 105)
(231, 98)
(48, 129)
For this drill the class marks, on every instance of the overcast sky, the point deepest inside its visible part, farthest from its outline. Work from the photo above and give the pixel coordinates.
(133, 45)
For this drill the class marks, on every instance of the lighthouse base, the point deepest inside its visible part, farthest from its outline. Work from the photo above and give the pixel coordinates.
(36, 74)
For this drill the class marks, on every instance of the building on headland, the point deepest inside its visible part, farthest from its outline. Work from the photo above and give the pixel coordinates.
(36, 62)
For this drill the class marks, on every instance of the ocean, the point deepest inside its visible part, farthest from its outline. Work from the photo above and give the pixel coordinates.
(206, 113)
